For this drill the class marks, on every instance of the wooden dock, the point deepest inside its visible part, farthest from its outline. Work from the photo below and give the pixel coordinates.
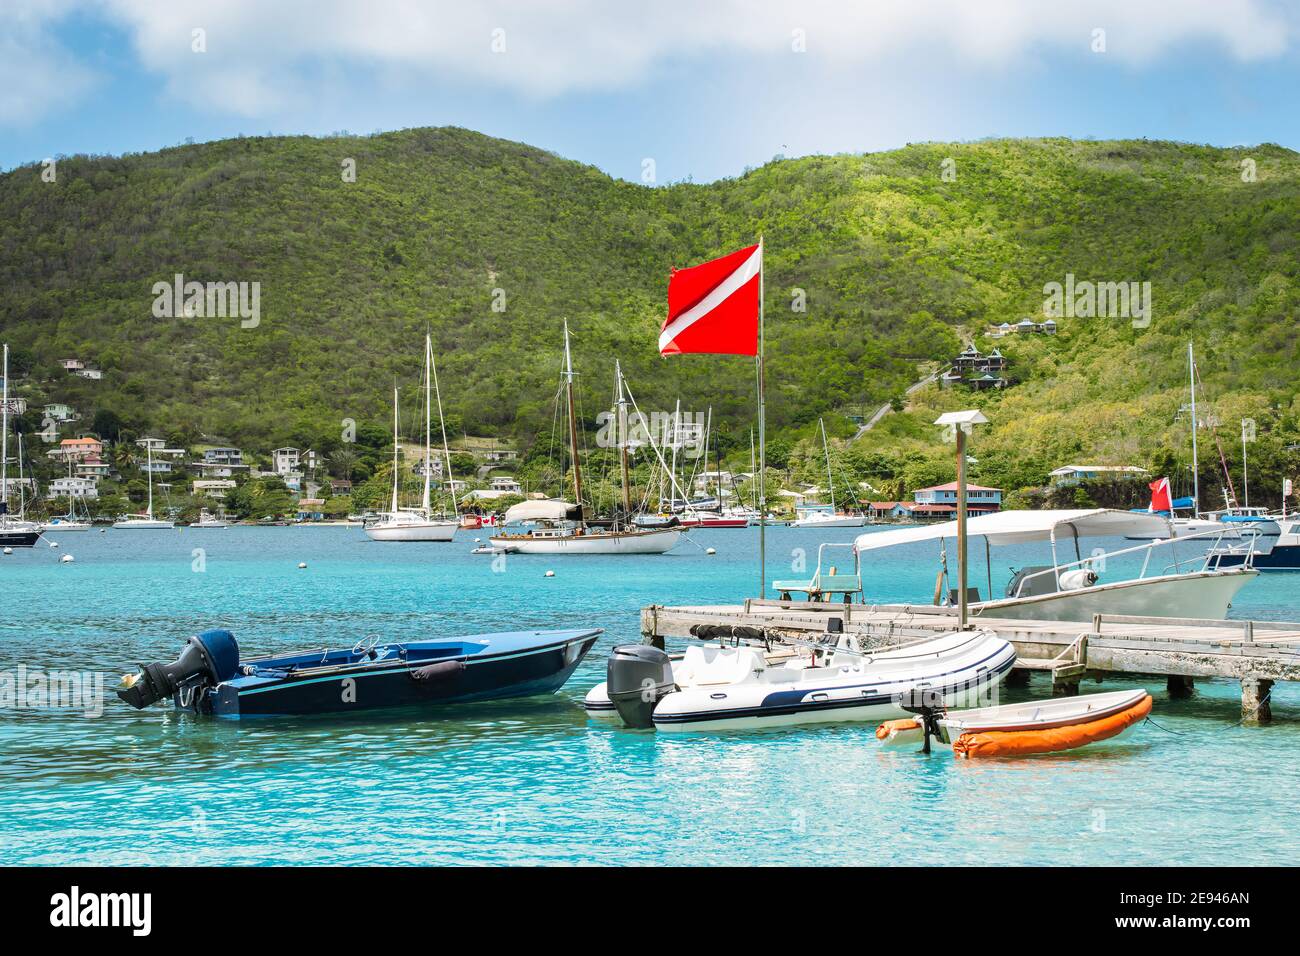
(1256, 653)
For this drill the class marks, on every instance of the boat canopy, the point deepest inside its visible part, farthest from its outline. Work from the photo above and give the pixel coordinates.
(1015, 527)
(548, 509)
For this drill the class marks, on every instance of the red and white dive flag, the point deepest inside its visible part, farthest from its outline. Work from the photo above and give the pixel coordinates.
(1160, 500)
(713, 307)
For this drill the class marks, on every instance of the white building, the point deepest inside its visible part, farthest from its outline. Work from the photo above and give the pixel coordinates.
(60, 412)
(1073, 474)
(90, 373)
(73, 488)
(285, 461)
(507, 486)
(213, 487)
(73, 365)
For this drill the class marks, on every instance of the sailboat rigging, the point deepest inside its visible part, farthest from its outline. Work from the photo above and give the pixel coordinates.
(558, 527)
(417, 524)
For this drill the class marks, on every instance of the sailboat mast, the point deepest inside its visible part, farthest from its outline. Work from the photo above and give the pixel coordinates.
(573, 420)
(394, 509)
(677, 439)
(4, 438)
(753, 469)
(22, 489)
(622, 441)
(1245, 475)
(148, 457)
(1196, 477)
(442, 425)
(826, 447)
(428, 457)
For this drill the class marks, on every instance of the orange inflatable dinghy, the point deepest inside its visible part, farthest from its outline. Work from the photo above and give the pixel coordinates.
(1000, 743)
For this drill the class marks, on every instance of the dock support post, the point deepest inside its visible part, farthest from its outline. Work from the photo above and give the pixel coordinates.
(1180, 687)
(1065, 685)
(1255, 693)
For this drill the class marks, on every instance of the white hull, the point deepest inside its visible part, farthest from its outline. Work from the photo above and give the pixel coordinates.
(210, 524)
(1204, 594)
(652, 541)
(425, 531)
(143, 524)
(736, 688)
(834, 521)
(64, 526)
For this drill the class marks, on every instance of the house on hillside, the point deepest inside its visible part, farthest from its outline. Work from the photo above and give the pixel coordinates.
(73, 488)
(77, 449)
(941, 500)
(1073, 474)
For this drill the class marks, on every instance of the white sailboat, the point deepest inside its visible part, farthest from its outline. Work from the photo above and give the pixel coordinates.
(410, 524)
(834, 518)
(146, 521)
(14, 533)
(557, 527)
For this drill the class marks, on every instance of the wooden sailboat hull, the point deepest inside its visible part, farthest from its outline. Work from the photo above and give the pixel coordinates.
(652, 541)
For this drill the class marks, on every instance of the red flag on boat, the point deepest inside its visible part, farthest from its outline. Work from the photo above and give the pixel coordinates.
(713, 307)
(1160, 500)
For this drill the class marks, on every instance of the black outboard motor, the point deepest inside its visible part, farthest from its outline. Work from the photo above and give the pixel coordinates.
(207, 659)
(927, 704)
(637, 677)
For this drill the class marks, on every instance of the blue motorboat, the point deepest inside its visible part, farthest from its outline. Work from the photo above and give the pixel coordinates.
(209, 677)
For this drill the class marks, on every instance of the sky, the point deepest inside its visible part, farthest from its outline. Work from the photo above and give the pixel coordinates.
(702, 89)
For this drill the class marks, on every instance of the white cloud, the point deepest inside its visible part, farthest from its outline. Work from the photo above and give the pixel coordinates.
(263, 57)
(37, 75)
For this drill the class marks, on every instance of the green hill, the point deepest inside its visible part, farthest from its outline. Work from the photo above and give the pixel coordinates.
(897, 265)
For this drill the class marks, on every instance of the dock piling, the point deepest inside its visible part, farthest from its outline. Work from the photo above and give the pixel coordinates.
(1180, 687)
(1255, 693)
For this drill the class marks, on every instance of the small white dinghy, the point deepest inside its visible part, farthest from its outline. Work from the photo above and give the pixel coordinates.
(1046, 726)
(746, 686)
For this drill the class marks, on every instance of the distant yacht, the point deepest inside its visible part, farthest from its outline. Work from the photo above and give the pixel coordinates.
(14, 533)
(817, 518)
(412, 524)
(558, 527)
(208, 520)
(146, 521)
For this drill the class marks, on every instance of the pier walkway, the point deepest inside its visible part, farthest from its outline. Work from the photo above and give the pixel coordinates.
(1256, 653)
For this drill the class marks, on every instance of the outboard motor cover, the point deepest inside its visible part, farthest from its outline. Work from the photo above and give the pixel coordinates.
(207, 658)
(637, 677)
(1078, 578)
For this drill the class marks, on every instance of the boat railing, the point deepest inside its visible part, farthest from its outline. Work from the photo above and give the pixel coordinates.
(1147, 548)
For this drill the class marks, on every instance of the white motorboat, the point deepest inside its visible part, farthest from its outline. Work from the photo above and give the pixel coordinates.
(1192, 584)
(146, 521)
(739, 687)
(556, 527)
(208, 520)
(412, 524)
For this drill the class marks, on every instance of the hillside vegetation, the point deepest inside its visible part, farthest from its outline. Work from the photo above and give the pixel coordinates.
(895, 264)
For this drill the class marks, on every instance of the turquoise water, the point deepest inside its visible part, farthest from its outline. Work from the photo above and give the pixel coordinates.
(534, 781)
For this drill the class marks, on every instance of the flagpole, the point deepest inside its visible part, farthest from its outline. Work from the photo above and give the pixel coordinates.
(762, 439)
